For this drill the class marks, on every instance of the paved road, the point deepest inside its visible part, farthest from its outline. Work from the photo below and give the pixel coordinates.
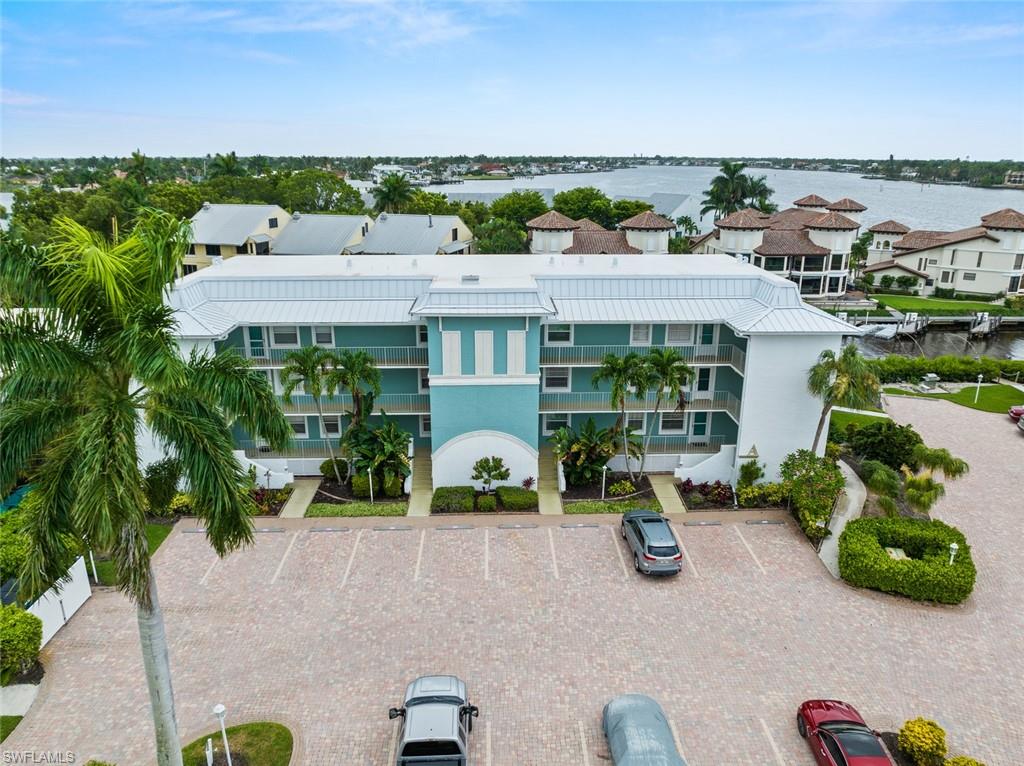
(322, 630)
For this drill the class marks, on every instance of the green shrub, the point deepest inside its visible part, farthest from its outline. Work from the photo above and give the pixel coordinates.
(181, 505)
(925, 576)
(620, 488)
(813, 484)
(487, 503)
(13, 547)
(751, 472)
(394, 487)
(923, 741)
(517, 498)
(887, 442)
(328, 472)
(452, 500)
(762, 495)
(161, 485)
(21, 635)
(361, 485)
(963, 369)
(962, 760)
(489, 470)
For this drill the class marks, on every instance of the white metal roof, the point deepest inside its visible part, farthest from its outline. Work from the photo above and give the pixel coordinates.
(232, 224)
(318, 234)
(474, 302)
(400, 234)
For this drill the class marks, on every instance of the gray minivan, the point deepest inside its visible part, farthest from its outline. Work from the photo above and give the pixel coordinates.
(655, 549)
(436, 721)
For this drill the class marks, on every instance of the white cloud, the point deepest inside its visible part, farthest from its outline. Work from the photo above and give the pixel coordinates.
(10, 97)
(268, 57)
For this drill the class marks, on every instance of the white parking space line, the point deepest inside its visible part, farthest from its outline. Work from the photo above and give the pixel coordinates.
(775, 748)
(554, 560)
(583, 745)
(419, 556)
(351, 558)
(750, 550)
(280, 564)
(679, 742)
(686, 553)
(487, 742)
(487, 567)
(209, 569)
(618, 550)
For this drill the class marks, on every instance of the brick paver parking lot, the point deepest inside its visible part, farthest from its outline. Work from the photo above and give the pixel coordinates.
(322, 629)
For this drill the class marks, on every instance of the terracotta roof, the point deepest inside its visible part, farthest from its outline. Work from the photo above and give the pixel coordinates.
(585, 224)
(793, 218)
(916, 240)
(1007, 218)
(811, 200)
(552, 221)
(889, 227)
(777, 242)
(847, 205)
(894, 265)
(648, 220)
(590, 242)
(700, 239)
(748, 218)
(833, 221)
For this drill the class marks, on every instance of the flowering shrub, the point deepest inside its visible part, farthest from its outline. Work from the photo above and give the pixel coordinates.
(528, 482)
(763, 495)
(620, 488)
(923, 741)
(814, 483)
(962, 760)
(717, 493)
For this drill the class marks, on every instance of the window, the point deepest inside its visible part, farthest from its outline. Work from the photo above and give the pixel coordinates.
(837, 262)
(261, 248)
(256, 347)
(191, 250)
(272, 223)
(970, 276)
(424, 425)
(775, 264)
(483, 341)
(455, 234)
(332, 425)
(553, 422)
(516, 352)
(833, 284)
(424, 380)
(672, 423)
(704, 379)
(451, 352)
(813, 263)
(323, 335)
(707, 334)
(635, 422)
(285, 336)
(886, 245)
(678, 334)
(1018, 261)
(213, 249)
(558, 334)
(556, 378)
(833, 748)
(700, 424)
(980, 256)
(952, 259)
(298, 425)
(929, 282)
(188, 268)
(933, 261)
(944, 277)
(640, 335)
(1014, 285)
(421, 335)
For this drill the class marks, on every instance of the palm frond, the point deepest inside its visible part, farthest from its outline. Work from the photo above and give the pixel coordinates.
(164, 239)
(27, 426)
(40, 343)
(23, 275)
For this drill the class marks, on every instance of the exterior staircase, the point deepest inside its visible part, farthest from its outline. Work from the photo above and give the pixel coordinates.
(548, 497)
(422, 482)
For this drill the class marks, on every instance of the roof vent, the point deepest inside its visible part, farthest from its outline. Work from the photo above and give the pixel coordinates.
(470, 279)
(581, 260)
(206, 206)
(615, 262)
(348, 263)
(296, 215)
(415, 263)
(382, 217)
(551, 261)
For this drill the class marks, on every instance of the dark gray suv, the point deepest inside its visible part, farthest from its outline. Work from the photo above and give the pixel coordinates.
(654, 546)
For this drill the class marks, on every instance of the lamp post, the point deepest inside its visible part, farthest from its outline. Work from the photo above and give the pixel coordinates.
(953, 548)
(604, 474)
(369, 475)
(977, 389)
(221, 712)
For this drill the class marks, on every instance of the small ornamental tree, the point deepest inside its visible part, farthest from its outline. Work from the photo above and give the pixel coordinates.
(21, 635)
(923, 741)
(814, 483)
(489, 470)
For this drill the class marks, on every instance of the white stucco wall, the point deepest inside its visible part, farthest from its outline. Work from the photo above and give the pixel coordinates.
(452, 462)
(59, 603)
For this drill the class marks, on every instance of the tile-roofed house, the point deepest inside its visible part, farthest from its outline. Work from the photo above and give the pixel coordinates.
(585, 224)
(1007, 219)
(916, 240)
(787, 242)
(811, 200)
(748, 218)
(320, 234)
(891, 264)
(404, 234)
(889, 227)
(846, 205)
(833, 221)
(552, 221)
(647, 221)
(793, 218)
(593, 242)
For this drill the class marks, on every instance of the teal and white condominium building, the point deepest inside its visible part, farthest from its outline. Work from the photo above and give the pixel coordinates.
(487, 355)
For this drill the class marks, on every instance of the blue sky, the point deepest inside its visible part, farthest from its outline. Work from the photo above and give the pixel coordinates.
(798, 79)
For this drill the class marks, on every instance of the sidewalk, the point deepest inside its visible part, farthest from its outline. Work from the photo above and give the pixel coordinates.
(664, 486)
(303, 492)
(422, 483)
(851, 504)
(549, 500)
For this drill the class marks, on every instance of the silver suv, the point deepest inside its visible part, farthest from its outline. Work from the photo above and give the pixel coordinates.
(436, 721)
(655, 549)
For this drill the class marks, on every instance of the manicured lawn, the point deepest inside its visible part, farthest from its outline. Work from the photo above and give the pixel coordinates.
(611, 506)
(262, 744)
(842, 419)
(7, 724)
(857, 312)
(357, 509)
(937, 305)
(155, 535)
(991, 398)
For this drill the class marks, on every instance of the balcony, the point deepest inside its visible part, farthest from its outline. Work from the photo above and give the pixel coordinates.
(393, 404)
(680, 445)
(599, 401)
(383, 356)
(298, 448)
(591, 356)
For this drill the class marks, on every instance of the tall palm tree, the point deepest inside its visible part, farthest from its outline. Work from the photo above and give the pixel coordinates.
(843, 380)
(138, 168)
(393, 193)
(667, 374)
(310, 367)
(356, 372)
(628, 376)
(85, 373)
(759, 195)
(688, 225)
(226, 165)
(728, 191)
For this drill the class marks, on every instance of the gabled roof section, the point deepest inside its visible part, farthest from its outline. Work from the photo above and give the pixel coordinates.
(846, 205)
(918, 240)
(889, 227)
(317, 234)
(792, 219)
(748, 218)
(833, 221)
(232, 224)
(788, 243)
(552, 221)
(482, 302)
(811, 200)
(589, 242)
(1007, 218)
(403, 234)
(647, 221)
(585, 224)
(893, 264)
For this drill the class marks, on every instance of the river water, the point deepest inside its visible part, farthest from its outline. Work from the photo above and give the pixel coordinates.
(1003, 345)
(919, 206)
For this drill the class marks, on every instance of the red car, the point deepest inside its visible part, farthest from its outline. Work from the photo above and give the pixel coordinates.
(1016, 412)
(838, 735)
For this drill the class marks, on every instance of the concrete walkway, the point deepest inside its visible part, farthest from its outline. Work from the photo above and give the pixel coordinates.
(17, 698)
(664, 486)
(422, 483)
(303, 492)
(851, 505)
(548, 498)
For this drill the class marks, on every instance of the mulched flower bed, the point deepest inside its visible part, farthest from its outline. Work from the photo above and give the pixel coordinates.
(713, 503)
(593, 491)
(330, 491)
(891, 740)
(271, 501)
(34, 675)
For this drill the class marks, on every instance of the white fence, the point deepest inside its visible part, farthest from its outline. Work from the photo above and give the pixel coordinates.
(56, 606)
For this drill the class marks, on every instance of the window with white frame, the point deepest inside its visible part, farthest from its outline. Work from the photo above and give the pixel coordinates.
(323, 335)
(640, 335)
(556, 378)
(1018, 261)
(424, 380)
(298, 424)
(970, 276)
(700, 424)
(704, 379)
(636, 422)
(284, 336)
(554, 421)
(672, 423)
(558, 334)
(678, 334)
(424, 425)
(332, 425)
(421, 335)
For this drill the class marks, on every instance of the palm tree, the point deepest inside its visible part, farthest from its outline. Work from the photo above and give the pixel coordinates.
(759, 194)
(357, 373)
(843, 380)
(80, 378)
(138, 168)
(688, 225)
(728, 191)
(310, 367)
(629, 376)
(393, 193)
(667, 374)
(226, 165)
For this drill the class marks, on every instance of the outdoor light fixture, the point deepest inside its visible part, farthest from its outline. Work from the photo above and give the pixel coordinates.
(221, 712)
(977, 389)
(953, 548)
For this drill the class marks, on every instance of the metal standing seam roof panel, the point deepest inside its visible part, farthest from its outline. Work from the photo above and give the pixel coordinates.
(398, 234)
(802, 320)
(230, 224)
(319, 312)
(317, 234)
(648, 309)
(486, 302)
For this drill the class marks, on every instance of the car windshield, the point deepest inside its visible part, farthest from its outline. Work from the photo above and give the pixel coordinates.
(431, 747)
(856, 740)
(434, 699)
(664, 551)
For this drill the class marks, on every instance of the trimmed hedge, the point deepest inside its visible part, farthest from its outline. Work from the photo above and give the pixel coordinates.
(487, 503)
(21, 635)
(923, 741)
(962, 369)
(517, 498)
(452, 500)
(361, 485)
(925, 576)
(328, 472)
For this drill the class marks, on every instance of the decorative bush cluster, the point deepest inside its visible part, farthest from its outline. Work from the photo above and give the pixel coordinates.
(620, 488)
(21, 635)
(814, 483)
(361, 486)
(963, 760)
(925, 576)
(452, 500)
(13, 546)
(717, 493)
(328, 472)
(751, 472)
(488, 470)
(923, 741)
(884, 441)
(487, 504)
(763, 495)
(964, 369)
(516, 498)
(181, 505)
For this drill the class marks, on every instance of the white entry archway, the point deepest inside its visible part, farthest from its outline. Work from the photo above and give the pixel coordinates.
(453, 461)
